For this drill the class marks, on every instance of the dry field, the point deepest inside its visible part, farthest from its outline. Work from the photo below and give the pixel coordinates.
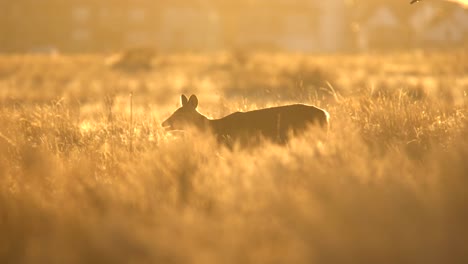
(87, 174)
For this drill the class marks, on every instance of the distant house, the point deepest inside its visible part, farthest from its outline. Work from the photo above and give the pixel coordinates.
(421, 17)
(380, 29)
(433, 24)
(440, 25)
(447, 31)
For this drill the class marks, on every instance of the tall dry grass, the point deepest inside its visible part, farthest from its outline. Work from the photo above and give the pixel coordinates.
(83, 182)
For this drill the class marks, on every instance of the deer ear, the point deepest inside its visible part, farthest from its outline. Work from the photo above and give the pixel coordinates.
(183, 100)
(193, 101)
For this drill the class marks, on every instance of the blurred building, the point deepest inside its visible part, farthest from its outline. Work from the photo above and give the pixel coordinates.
(440, 27)
(207, 25)
(390, 25)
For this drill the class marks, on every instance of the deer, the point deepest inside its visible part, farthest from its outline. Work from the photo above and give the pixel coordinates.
(276, 124)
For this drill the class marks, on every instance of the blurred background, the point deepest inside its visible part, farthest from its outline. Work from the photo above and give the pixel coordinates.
(216, 25)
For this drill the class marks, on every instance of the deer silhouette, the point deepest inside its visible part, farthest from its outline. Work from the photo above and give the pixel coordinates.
(276, 123)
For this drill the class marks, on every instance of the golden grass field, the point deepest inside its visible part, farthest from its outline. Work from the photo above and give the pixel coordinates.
(87, 174)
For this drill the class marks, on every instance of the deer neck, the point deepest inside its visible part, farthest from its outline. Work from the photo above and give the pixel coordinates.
(205, 123)
(213, 125)
(216, 125)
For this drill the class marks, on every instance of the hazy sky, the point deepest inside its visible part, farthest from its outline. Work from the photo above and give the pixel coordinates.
(465, 2)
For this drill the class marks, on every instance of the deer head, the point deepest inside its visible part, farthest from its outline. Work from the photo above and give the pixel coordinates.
(186, 116)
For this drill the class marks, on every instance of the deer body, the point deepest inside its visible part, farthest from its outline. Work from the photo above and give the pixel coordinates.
(275, 123)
